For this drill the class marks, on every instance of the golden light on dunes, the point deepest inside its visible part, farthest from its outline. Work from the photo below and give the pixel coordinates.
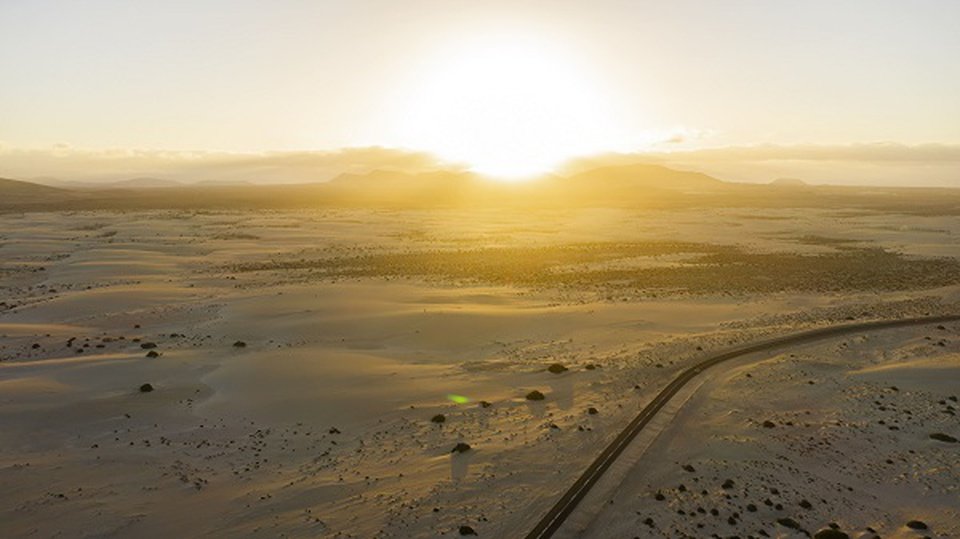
(508, 106)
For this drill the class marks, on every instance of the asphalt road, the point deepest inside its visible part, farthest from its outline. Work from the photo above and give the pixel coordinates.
(557, 514)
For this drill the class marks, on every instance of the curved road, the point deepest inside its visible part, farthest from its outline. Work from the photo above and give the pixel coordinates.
(554, 518)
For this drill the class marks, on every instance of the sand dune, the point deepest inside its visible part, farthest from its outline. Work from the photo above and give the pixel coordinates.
(300, 357)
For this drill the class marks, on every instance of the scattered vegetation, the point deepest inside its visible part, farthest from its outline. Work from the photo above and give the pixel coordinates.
(461, 447)
(614, 267)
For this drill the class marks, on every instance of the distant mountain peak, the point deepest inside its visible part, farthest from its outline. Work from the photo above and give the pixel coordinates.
(647, 175)
(789, 182)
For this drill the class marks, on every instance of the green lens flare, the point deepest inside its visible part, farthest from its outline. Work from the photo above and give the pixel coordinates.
(459, 399)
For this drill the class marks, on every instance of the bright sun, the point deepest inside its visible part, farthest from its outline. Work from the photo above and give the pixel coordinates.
(508, 106)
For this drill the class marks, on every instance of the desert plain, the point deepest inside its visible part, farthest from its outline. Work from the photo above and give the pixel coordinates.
(310, 372)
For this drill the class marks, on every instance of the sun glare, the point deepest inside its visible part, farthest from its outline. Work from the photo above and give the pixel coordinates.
(508, 106)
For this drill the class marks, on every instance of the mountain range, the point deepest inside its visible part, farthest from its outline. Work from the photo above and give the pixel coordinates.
(631, 185)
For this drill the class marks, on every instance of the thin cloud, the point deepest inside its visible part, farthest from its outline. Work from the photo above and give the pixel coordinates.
(70, 164)
(869, 152)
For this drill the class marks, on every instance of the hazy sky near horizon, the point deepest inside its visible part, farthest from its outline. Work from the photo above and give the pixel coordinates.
(503, 84)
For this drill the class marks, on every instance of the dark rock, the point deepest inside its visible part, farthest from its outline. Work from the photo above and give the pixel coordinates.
(941, 437)
(467, 530)
(788, 523)
(689, 468)
(805, 504)
(148, 345)
(659, 497)
(590, 366)
(769, 424)
(557, 368)
(439, 418)
(535, 396)
(727, 485)
(917, 525)
(146, 388)
(153, 353)
(461, 447)
(334, 430)
(240, 344)
(592, 411)
(485, 404)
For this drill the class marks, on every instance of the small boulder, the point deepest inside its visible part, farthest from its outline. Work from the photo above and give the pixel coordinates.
(787, 522)
(557, 368)
(467, 530)
(461, 447)
(439, 418)
(153, 353)
(592, 411)
(727, 485)
(535, 396)
(240, 344)
(146, 388)
(148, 345)
(485, 404)
(769, 424)
(941, 437)
(917, 525)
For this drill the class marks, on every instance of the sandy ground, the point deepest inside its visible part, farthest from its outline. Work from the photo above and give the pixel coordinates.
(320, 424)
(833, 433)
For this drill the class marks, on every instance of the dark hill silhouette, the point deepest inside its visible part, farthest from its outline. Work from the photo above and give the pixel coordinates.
(629, 186)
(645, 176)
(20, 192)
(617, 185)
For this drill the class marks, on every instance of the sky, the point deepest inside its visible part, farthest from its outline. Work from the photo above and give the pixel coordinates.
(510, 88)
